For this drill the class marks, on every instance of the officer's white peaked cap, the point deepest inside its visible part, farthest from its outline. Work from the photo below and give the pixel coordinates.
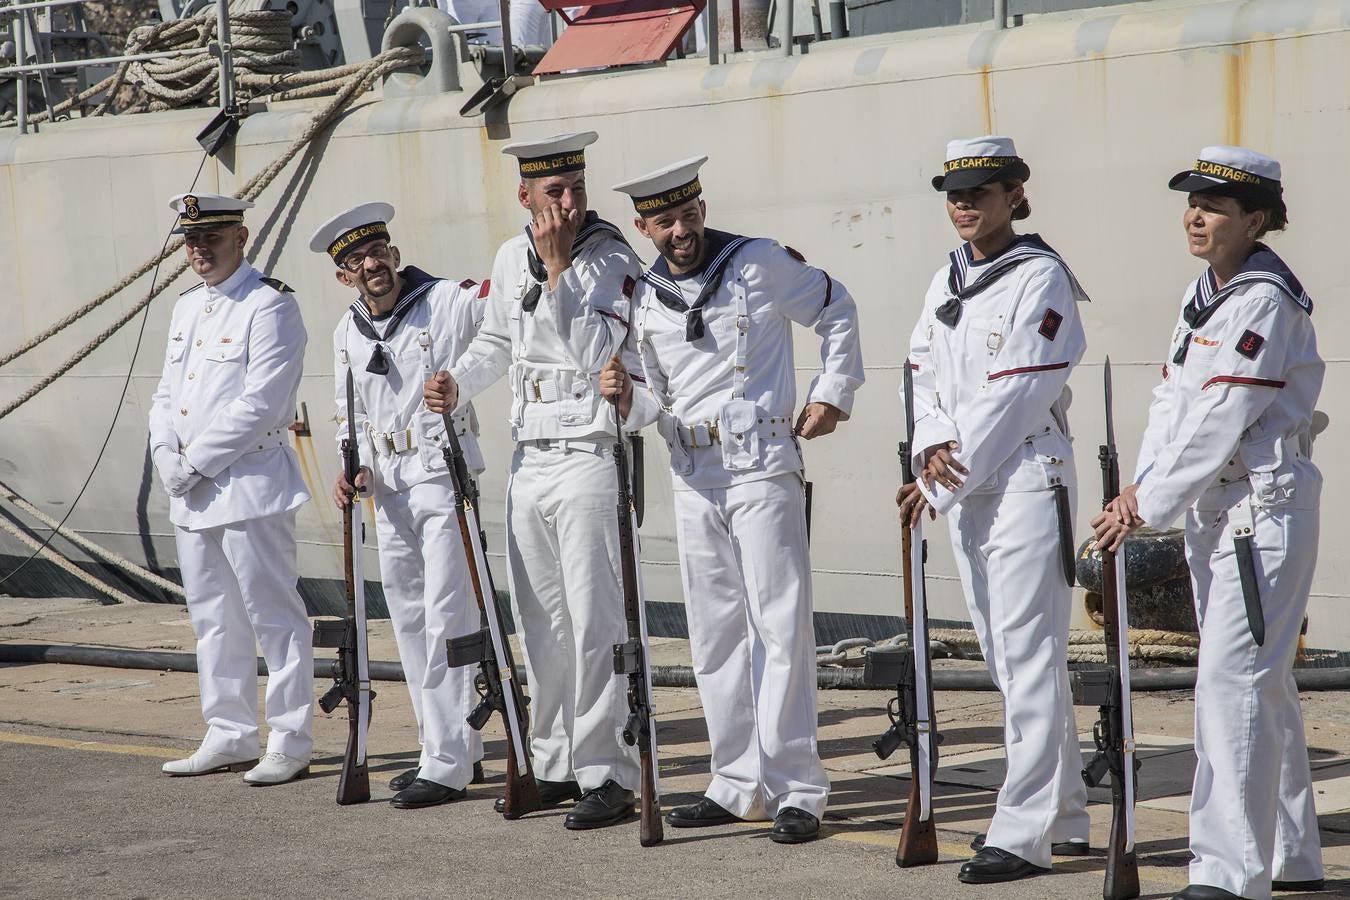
(200, 212)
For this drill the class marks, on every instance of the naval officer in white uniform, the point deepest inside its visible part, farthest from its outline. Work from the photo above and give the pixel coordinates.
(714, 328)
(219, 440)
(991, 355)
(1228, 447)
(557, 311)
(404, 325)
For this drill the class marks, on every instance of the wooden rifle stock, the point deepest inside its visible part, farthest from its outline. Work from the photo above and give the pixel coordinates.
(918, 838)
(496, 670)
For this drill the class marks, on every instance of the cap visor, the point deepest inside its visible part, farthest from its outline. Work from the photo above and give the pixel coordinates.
(1190, 181)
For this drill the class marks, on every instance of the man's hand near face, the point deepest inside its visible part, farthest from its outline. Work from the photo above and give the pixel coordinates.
(554, 231)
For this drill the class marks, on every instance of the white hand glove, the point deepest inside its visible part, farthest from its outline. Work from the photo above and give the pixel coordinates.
(178, 476)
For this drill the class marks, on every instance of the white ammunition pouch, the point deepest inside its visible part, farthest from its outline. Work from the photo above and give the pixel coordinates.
(391, 443)
(573, 392)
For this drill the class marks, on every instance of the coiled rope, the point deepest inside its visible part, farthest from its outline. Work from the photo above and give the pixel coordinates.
(1085, 646)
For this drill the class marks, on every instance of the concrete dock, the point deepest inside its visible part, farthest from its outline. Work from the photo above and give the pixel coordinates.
(87, 812)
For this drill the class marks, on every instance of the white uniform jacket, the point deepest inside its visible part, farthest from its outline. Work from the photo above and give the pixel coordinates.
(553, 343)
(996, 380)
(1233, 413)
(227, 396)
(400, 439)
(720, 374)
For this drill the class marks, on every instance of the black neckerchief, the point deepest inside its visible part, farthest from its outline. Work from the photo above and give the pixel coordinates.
(591, 226)
(960, 288)
(1262, 265)
(380, 329)
(721, 246)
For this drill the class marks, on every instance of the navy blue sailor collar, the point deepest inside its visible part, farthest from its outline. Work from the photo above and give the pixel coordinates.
(721, 246)
(591, 227)
(966, 278)
(381, 328)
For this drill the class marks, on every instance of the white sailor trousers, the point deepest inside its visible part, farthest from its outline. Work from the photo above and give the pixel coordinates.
(1252, 813)
(430, 599)
(563, 549)
(1007, 548)
(745, 564)
(240, 586)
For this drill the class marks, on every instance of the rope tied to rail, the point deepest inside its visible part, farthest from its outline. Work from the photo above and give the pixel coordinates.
(355, 81)
(1149, 645)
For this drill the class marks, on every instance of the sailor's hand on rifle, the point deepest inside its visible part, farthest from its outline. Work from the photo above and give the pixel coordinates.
(1121, 516)
(941, 465)
(912, 503)
(617, 387)
(343, 491)
(554, 231)
(816, 420)
(441, 393)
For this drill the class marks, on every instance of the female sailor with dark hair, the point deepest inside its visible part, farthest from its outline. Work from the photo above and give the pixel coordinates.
(1227, 447)
(991, 357)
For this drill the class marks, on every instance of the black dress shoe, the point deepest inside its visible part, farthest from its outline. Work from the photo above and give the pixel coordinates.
(399, 782)
(551, 793)
(992, 865)
(794, 826)
(608, 804)
(1204, 892)
(1059, 848)
(426, 793)
(700, 815)
(1312, 884)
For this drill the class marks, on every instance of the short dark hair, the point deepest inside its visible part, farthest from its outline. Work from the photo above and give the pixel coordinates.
(1277, 215)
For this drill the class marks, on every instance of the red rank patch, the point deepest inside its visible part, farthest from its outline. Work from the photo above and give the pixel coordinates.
(1050, 325)
(484, 288)
(795, 254)
(628, 286)
(1250, 344)
(466, 284)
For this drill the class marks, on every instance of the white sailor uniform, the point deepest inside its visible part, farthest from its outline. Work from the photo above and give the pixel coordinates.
(227, 394)
(1228, 445)
(991, 356)
(562, 528)
(722, 391)
(422, 565)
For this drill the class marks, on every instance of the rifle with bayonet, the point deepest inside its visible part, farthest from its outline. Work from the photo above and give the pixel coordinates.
(351, 671)
(911, 670)
(1109, 690)
(630, 657)
(488, 648)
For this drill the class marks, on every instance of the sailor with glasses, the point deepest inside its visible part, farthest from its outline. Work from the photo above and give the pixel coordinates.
(403, 325)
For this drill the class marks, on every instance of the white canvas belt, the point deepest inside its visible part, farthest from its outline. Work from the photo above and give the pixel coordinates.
(566, 445)
(392, 443)
(709, 434)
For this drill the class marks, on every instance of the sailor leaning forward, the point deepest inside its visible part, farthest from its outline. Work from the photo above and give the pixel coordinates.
(403, 326)
(991, 357)
(557, 311)
(1228, 446)
(219, 440)
(714, 326)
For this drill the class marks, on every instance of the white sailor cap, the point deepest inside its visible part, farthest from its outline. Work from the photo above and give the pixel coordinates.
(1231, 172)
(975, 161)
(349, 229)
(552, 155)
(201, 212)
(665, 188)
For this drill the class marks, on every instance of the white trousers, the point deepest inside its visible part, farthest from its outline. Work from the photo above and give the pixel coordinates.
(563, 549)
(1008, 555)
(430, 598)
(240, 584)
(746, 568)
(1252, 814)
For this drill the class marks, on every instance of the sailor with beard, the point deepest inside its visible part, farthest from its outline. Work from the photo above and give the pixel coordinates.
(404, 325)
(714, 329)
(219, 441)
(558, 310)
(991, 354)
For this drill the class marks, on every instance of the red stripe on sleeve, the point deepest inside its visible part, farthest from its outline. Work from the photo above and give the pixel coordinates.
(484, 288)
(1026, 369)
(1238, 379)
(615, 316)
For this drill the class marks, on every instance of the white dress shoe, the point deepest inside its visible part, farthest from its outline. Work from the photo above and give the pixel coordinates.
(204, 762)
(277, 768)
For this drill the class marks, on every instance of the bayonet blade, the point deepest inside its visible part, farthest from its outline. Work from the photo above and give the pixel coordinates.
(909, 402)
(1110, 424)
